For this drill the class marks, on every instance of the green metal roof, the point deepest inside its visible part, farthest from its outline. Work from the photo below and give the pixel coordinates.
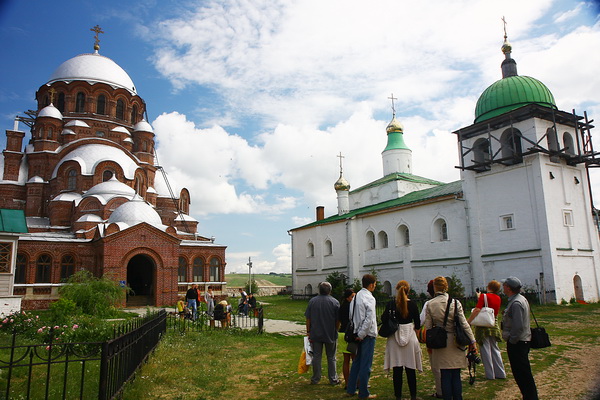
(511, 93)
(398, 177)
(410, 198)
(12, 221)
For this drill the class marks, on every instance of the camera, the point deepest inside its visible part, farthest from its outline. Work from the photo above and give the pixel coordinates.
(473, 357)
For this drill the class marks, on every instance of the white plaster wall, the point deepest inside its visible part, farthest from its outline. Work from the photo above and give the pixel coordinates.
(9, 305)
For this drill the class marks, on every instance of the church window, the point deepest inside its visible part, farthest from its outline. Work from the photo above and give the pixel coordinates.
(134, 111)
(383, 239)
(107, 175)
(310, 250)
(403, 235)
(21, 269)
(328, 248)
(440, 230)
(308, 289)
(182, 270)
(67, 267)
(80, 102)
(197, 269)
(120, 114)
(61, 102)
(101, 105)
(49, 133)
(5, 256)
(215, 265)
(511, 146)
(553, 145)
(568, 141)
(567, 218)
(387, 288)
(443, 231)
(370, 240)
(507, 222)
(144, 146)
(40, 132)
(43, 269)
(46, 101)
(71, 179)
(481, 154)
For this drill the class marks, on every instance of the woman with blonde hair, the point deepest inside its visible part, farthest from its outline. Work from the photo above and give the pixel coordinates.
(488, 338)
(402, 350)
(451, 358)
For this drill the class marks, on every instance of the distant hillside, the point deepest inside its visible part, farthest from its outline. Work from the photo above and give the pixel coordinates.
(242, 279)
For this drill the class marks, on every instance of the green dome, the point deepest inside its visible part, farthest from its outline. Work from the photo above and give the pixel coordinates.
(510, 93)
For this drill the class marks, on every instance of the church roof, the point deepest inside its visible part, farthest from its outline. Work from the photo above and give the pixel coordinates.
(93, 68)
(90, 155)
(397, 176)
(12, 221)
(452, 188)
(50, 111)
(134, 212)
(105, 191)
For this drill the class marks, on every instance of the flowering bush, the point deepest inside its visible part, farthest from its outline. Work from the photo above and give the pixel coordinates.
(19, 322)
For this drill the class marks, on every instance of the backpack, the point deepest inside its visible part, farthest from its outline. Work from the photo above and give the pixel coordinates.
(219, 312)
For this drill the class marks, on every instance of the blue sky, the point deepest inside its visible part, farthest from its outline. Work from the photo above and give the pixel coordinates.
(251, 101)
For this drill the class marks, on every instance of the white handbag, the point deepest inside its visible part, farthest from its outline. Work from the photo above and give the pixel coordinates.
(486, 317)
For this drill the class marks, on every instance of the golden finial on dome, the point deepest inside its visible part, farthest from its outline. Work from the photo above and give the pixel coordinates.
(394, 125)
(341, 183)
(506, 46)
(98, 30)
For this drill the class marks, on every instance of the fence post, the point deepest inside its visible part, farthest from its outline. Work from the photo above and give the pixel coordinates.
(260, 320)
(103, 381)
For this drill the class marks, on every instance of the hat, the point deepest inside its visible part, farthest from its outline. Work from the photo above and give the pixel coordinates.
(513, 282)
(223, 302)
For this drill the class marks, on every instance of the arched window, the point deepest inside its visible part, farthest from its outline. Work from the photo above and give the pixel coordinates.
(72, 179)
(43, 269)
(370, 240)
(107, 175)
(134, 112)
(41, 132)
(120, 114)
(197, 269)
(215, 265)
(328, 248)
(182, 270)
(310, 250)
(569, 145)
(46, 101)
(383, 239)
(308, 289)
(387, 288)
(511, 146)
(553, 145)
(60, 104)
(403, 235)
(482, 154)
(21, 269)
(49, 133)
(101, 105)
(80, 102)
(440, 230)
(67, 267)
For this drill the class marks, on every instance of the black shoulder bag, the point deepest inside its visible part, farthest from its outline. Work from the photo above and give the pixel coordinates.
(539, 337)
(389, 327)
(461, 337)
(349, 335)
(437, 336)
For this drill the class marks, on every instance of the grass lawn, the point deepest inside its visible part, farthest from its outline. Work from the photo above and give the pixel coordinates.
(232, 365)
(242, 279)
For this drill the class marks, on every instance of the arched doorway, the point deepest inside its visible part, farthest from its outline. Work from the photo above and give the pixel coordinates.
(140, 278)
(578, 288)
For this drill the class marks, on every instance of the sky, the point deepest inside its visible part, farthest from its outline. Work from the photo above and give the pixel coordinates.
(251, 101)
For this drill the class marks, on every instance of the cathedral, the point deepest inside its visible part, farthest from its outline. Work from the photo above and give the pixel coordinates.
(521, 208)
(93, 195)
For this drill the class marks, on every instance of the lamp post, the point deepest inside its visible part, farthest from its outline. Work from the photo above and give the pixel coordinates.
(249, 274)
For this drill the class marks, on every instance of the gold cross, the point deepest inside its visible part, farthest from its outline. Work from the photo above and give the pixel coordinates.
(52, 93)
(393, 98)
(340, 157)
(504, 21)
(98, 30)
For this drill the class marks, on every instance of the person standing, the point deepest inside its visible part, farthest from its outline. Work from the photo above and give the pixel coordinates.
(365, 326)
(517, 334)
(451, 358)
(192, 300)
(209, 298)
(437, 374)
(243, 305)
(488, 338)
(321, 328)
(402, 349)
(344, 319)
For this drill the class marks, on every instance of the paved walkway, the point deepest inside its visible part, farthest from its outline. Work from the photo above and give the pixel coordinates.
(286, 328)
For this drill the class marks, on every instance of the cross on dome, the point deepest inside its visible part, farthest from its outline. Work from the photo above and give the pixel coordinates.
(98, 30)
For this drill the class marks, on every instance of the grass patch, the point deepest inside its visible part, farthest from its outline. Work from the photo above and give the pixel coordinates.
(232, 364)
(242, 279)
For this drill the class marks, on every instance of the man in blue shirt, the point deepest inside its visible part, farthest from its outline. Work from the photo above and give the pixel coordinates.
(321, 327)
(365, 326)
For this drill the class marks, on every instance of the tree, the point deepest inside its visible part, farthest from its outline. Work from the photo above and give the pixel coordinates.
(455, 286)
(339, 282)
(91, 295)
(251, 288)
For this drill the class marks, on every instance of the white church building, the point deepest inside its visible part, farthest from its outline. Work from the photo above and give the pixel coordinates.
(521, 208)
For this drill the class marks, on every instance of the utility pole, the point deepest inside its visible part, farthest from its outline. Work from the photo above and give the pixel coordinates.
(249, 274)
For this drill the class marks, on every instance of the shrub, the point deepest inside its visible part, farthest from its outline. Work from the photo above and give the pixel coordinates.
(338, 282)
(94, 296)
(20, 322)
(63, 309)
(455, 286)
(252, 287)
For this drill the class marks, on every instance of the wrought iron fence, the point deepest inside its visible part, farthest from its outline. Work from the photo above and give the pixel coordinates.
(204, 322)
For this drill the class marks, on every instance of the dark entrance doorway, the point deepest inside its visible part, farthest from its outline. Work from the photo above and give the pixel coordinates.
(140, 278)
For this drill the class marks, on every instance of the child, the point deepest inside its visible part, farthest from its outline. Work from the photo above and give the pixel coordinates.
(181, 307)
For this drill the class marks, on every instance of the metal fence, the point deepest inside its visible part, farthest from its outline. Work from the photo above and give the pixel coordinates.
(56, 370)
(254, 320)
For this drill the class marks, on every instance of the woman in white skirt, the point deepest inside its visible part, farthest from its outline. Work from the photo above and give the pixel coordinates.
(402, 350)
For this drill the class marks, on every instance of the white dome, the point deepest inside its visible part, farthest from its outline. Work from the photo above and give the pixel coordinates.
(135, 212)
(89, 218)
(121, 129)
(68, 196)
(109, 189)
(90, 155)
(77, 122)
(93, 68)
(50, 111)
(143, 126)
(68, 132)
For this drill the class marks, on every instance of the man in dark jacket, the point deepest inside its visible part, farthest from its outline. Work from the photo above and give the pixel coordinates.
(192, 300)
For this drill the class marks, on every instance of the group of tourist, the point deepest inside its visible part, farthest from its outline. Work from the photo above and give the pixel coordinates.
(326, 320)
